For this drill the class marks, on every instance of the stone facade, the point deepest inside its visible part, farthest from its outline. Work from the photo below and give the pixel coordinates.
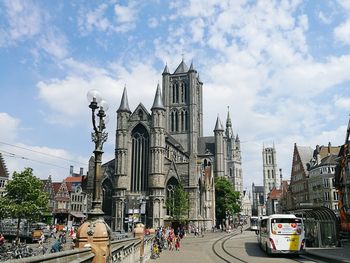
(271, 178)
(157, 150)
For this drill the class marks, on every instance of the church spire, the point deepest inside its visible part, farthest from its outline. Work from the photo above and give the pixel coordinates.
(218, 125)
(166, 70)
(124, 104)
(158, 102)
(229, 130)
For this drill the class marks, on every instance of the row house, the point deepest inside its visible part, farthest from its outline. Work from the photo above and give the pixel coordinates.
(321, 175)
(67, 201)
(299, 176)
(342, 182)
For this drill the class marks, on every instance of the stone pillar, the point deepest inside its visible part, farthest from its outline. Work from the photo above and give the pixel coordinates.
(139, 232)
(95, 234)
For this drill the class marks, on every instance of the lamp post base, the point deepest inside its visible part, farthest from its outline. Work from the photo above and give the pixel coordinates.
(95, 233)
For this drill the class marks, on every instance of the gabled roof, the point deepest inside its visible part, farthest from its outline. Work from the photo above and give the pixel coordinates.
(74, 179)
(3, 169)
(56, 186)
(332, 150)
(206, 145)
(305, 154)
(275, 193)
(182, 68)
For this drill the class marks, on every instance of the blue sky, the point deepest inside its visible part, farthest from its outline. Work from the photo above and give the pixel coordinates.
(281, 66)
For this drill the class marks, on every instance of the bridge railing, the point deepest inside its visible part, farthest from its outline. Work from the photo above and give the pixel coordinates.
(121, 251)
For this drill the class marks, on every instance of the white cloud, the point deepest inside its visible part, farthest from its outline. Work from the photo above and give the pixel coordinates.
(342, 32)
(124, 18)
(54, 43)
(24, 17)
(9, 127)
(342, 102)
(66, 97)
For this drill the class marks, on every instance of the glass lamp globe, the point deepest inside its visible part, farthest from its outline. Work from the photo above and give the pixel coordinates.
(93, 95)
(104, 105)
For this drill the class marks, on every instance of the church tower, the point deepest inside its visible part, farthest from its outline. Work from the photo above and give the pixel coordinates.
(183, 101)
(157, 150)
(121, 160)
(233, 156)
(271, 179)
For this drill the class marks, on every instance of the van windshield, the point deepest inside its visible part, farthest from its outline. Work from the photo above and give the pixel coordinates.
(286, 226)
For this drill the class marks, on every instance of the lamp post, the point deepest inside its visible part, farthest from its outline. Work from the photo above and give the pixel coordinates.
(95, 233)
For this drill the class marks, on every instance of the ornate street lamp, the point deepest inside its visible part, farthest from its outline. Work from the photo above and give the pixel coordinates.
(95, 232)
(99, 136)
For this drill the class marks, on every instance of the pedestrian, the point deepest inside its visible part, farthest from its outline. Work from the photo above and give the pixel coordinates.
(177, 243)
(2, 240)
(41, 240)
(57, 246)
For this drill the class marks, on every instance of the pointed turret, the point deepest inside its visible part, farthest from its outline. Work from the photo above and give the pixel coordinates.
(166, 70)
(124, 104)
(237, 138)
(158, 102)
(218, 125)
(192, 68)
(228, 120)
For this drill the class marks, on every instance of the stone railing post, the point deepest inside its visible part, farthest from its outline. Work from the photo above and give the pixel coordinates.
(139, 232)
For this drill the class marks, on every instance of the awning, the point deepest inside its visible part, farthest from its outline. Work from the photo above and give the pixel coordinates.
(78, 214)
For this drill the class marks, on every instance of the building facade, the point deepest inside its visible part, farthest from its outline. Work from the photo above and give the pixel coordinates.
(158, 150)
(321, 174)
(299, 175)
(258, 207)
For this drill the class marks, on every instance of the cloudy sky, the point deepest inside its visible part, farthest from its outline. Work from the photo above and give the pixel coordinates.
(283, 68)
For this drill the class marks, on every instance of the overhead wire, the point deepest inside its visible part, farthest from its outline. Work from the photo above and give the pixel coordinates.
(13, 155)
(46, 154)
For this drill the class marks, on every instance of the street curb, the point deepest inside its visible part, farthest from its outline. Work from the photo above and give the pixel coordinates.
(334, 259)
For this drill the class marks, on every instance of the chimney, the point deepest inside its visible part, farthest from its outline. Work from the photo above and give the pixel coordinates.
(81, 171)
(329, 148)
(318, 156)
(71, 170)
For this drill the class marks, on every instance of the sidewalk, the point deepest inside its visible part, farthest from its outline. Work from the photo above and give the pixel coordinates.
(337, 254)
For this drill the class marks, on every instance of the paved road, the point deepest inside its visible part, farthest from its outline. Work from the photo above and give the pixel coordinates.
(243, 246)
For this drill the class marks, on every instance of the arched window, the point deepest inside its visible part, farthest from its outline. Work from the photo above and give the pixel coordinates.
(173, 92)
(176, 121)
(184, 120)
(139, 161)
(170, 188)
(183, 93)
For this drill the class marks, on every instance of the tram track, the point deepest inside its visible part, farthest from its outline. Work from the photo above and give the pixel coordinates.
(220, 251)
(223, 240)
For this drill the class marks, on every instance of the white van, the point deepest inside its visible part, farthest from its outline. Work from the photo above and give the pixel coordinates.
(281, 234)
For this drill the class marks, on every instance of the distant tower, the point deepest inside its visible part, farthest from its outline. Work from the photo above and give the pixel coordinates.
(271, 179)
(233, 156)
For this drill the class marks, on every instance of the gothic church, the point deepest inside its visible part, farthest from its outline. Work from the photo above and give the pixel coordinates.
(157, 150)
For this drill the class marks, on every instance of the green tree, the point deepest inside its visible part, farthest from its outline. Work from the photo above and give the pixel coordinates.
(226, 199)
(178, 204)
(24, 198)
